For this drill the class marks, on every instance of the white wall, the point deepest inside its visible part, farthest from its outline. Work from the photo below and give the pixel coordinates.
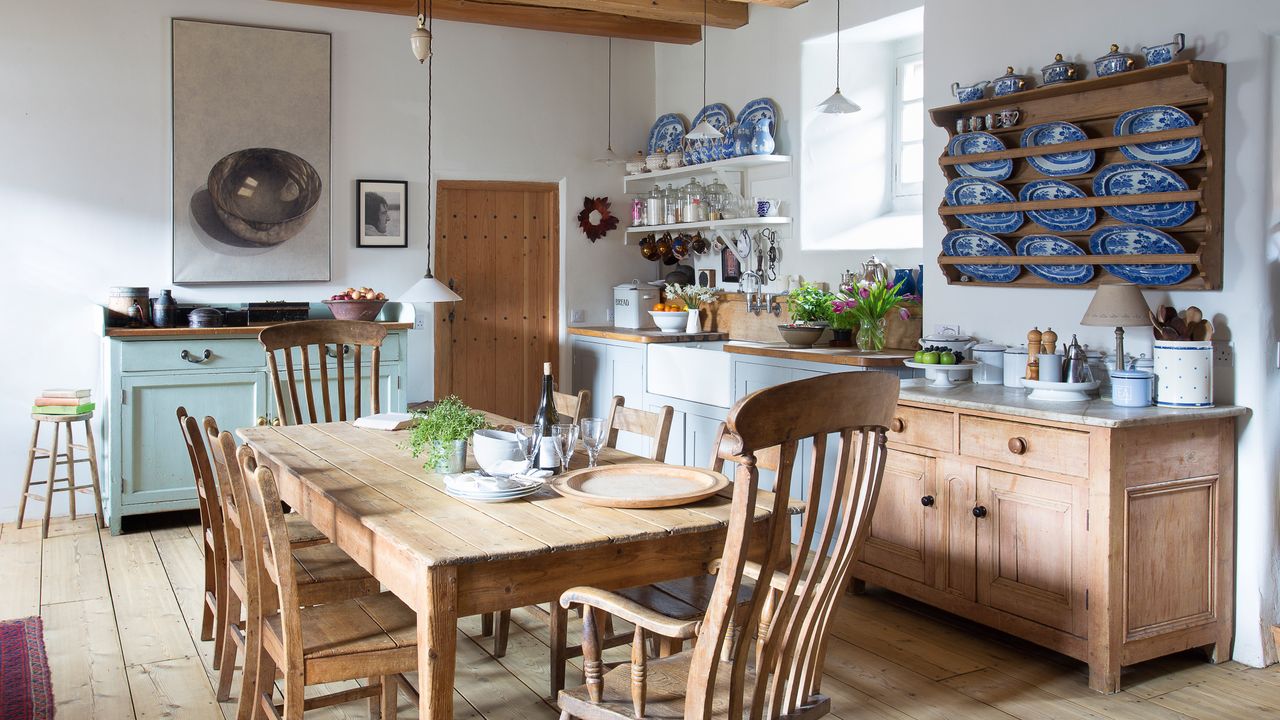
(1238, 33)
(84, 183)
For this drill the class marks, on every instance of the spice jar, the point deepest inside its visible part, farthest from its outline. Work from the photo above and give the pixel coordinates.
(653, 207)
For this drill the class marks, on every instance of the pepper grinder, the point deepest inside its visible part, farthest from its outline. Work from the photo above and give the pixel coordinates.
(1048, 342)
(1033, 353)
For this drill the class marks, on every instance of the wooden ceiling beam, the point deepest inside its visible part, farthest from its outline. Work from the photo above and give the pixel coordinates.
(552, 19)
(720, 13)
(773, 3)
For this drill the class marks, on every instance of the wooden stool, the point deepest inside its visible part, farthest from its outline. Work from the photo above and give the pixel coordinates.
(68, 458)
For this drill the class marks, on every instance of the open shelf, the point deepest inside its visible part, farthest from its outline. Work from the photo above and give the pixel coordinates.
(710, 225)
(738, 164)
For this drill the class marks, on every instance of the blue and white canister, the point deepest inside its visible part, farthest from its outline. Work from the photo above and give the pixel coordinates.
(1131, 388)
(1184, 373)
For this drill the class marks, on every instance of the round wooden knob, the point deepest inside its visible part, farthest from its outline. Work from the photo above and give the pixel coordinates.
(897, 425)
(275, 422)
(1017, 445)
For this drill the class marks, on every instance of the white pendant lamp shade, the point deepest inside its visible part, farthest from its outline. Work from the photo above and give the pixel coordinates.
(420, 40)
(704, 131)
(838, 104)
(429, 290)
(609, 157)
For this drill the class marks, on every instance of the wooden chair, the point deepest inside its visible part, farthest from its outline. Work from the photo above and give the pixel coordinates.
(794, 594)
(654, 425)
(333, 339)
(373, 636)
(574, 407)
(325, 573)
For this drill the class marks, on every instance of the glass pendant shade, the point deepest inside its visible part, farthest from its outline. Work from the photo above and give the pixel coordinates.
(429, 290)
(609, 157)
(420, 41)
(838, 104)
(704, 131)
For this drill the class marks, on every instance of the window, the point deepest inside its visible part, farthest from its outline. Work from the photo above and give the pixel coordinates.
(908, 127)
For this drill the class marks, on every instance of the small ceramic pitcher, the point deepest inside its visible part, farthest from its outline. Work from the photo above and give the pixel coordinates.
(1161, 54)
(969, 93)
(762, 139)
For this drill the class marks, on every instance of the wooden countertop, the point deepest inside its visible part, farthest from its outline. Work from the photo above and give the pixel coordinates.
(152, 332)
(888, 358)
(643, 335)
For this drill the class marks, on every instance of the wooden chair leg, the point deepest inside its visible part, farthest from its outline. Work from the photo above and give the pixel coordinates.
(48, 489)
(390, 697)
(486, 624)
(26, 483)
(295, 694)
(375, 701)
(564, 715)
(227, 664)
(212, 616)
(264, 687)
(559, 641)
(71, 472)
(669, 646)
(93, 474)
(501, 629)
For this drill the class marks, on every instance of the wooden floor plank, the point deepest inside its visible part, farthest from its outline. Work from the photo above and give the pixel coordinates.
(176, 688)
(20, 556)
(152, 628)
(72, 567)
(933, 660)
(494, 692)
(1203, 701)
(1023, 701)
(85, 662)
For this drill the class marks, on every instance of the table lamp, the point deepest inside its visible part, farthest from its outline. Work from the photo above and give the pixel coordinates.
(1118, 306)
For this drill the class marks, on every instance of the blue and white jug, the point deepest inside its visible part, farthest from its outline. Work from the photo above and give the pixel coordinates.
(762, 140)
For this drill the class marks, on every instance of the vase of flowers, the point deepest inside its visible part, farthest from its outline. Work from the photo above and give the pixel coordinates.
(693, 297)
(866, 308)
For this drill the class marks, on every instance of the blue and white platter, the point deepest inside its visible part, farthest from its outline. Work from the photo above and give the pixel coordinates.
(980, 191)
(1057, 164)
(1155, 118)
(667, 134)
(1049, 246)
(717, 114)
(972, 143)
(1139, 178)
(1140, 240)
(975, 243)
(759, 108)
(1057, 219)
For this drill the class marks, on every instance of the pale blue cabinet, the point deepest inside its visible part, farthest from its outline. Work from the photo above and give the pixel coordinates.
(146, 468)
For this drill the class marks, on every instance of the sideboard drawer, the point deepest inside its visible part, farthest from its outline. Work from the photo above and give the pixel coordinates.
(923, 428)
(223, 354)
(1031, 446)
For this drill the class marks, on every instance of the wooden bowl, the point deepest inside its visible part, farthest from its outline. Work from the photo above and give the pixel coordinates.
(355, 309)
(639, 485)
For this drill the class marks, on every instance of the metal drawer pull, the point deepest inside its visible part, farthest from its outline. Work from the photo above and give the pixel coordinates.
(186, 355)
(1017, 445)
(334, 354)
(897, 425)
(261, 421)
(980, 512)
(927, 501)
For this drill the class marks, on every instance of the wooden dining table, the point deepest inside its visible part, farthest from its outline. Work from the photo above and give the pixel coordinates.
(448, 558)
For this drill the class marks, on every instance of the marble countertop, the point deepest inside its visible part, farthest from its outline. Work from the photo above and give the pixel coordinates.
(1013, 401)
(887, 358)
(643, 335)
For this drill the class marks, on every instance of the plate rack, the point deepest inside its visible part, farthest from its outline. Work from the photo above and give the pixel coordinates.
(1196, 87)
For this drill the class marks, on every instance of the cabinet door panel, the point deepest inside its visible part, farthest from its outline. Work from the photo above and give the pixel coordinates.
(676, 451)
(958, 576)
(1027, 547)
(699, 440)
(154, 466)
(626, 378)
(903, 532)
(588, 374)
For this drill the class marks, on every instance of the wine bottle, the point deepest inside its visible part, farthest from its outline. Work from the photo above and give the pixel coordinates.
(544, 419)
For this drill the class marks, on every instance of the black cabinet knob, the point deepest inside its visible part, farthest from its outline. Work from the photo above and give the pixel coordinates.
(927, 501)
(980, 512)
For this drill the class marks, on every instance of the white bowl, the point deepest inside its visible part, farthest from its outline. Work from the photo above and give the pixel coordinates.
(492, 447)
(670, 322)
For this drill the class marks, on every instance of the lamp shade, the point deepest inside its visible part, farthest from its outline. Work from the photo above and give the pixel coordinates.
(838, 104)
(1119, 305)
(429, 290)
(704, 131)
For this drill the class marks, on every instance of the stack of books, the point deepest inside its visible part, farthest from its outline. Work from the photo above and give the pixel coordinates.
(59, 401)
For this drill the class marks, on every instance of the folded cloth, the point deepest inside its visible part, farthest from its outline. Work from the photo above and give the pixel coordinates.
(385, 421)
(473, 482)
(507, 468)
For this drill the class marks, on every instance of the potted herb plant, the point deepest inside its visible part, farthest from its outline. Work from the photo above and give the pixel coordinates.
(810, 309)
(866, 308)
(443, 432)
(693, 297)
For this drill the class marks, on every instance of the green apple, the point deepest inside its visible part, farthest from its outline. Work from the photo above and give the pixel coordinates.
(947, 358)
(930, 358)
(919, 356)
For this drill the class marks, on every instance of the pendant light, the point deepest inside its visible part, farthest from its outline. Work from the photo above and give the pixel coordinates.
(429, 289)
(610, 157)
(420, 39)
(838, 104)
(704, 130)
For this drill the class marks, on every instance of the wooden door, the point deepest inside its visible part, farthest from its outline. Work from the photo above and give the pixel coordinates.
(904, 529)
(1031, 548)
(499, 247)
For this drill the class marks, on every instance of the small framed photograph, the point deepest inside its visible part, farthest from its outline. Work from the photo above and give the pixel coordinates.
(730, 268)
(382, 213)
(707, 278)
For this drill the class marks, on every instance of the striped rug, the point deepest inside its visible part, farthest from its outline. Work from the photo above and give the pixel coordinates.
(25, 690)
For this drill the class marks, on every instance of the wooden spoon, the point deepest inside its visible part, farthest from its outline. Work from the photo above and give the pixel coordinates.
(1194, 315)
(1199, 329)
(1179, 326)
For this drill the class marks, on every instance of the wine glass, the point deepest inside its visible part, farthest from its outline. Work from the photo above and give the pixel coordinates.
(528, 437)
(594, 431)
(565, 437)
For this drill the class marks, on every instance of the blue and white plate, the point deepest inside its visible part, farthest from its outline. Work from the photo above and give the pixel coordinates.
(1057, 164)
(1058, 219)
(975, 243)
(1139, 240)
(1138, 179)
(972, 143)
(719, 117)
(981, 191)
(758, 108)
(1051, 245)
(667, 134)
(1155, 118)
(717, 114)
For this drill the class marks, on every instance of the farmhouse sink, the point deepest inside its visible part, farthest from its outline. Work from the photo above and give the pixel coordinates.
(699, 372)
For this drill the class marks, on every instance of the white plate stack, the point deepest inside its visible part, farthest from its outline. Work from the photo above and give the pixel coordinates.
(480, 487)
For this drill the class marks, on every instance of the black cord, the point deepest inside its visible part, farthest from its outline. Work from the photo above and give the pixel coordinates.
(704, 53)
(609, 140)
(430, 115)
(837, 45)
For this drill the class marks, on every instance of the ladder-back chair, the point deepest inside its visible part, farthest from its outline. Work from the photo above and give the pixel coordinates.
(794, 593)
(328, 340)
(573, 408)
(656, 426)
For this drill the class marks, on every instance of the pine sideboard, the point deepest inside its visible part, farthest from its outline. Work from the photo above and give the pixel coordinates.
(220, 372)
(1104, 533)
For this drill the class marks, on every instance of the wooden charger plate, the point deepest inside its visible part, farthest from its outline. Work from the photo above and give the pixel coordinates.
(640, 485)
